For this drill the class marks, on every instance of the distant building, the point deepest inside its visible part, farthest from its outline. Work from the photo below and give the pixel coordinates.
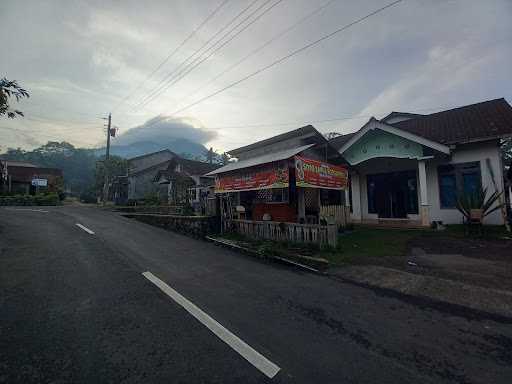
(166, 175)
(184, 181)
(142, 171)
(26, 178)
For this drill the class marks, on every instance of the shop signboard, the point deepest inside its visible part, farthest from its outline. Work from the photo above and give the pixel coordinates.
(273, 175)
(311, 173)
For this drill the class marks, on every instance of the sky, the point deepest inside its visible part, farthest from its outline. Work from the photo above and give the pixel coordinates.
(80, 60)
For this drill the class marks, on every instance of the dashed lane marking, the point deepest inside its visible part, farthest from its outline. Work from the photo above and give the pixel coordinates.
(85, 229)
(259, 361)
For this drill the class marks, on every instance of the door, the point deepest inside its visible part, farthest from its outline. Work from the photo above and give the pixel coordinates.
(389, 194)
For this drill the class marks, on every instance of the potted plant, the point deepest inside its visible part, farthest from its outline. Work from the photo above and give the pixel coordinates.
(475, 206)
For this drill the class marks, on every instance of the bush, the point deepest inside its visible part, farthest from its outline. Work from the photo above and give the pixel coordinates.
(26, 200)
(151, 199)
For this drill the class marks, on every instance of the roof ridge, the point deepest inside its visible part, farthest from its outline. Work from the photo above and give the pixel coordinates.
(152, 153)
(460, 107)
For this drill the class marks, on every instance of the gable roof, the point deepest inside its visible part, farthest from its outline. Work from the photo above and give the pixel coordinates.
(394, 114)
(476, 122)
(149, 169)
(263, 159)
(151, 154)
(302, 131)
(373, 123)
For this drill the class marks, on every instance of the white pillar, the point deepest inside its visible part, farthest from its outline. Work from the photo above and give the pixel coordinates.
(356, 197)
(301, 204)
(347, 197)
(422, 181)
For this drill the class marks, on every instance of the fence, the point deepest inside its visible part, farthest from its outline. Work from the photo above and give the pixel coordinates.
(339, 213)
(294, 232)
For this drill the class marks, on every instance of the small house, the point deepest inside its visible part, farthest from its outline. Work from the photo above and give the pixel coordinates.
(409, 168)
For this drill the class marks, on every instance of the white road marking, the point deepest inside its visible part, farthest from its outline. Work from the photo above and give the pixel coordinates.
(27, 210)
(85, 229)
(259, 361)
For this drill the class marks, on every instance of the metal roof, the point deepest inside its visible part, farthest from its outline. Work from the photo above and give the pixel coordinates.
(263, 159)
(299, 132)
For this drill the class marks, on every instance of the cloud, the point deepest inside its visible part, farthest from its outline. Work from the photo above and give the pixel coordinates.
(164, 128)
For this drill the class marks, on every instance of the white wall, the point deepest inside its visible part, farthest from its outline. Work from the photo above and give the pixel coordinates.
(462, 154)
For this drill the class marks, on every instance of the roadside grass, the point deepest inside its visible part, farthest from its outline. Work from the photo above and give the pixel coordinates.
(366, 245)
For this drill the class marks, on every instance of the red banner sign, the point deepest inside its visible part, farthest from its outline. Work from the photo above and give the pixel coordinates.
(317, 174)
(265, 177)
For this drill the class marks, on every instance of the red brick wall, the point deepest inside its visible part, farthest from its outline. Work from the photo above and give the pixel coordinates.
(279, 212)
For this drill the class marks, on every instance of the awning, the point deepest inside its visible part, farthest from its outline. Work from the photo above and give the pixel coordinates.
(258, 160)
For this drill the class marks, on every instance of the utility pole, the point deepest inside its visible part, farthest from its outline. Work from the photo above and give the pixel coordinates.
(107, 156)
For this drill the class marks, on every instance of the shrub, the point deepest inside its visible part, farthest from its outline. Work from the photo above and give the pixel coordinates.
(25, 200)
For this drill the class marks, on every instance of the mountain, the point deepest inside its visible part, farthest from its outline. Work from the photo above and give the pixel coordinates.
(179, 146)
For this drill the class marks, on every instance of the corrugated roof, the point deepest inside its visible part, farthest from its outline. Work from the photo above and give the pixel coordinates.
(308, 129)
(263, 159)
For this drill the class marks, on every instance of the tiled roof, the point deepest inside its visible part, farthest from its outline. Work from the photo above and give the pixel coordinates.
(475, 122)
(488, 119)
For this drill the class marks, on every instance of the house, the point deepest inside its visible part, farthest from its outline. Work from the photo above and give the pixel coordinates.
(26, 178)
(142, 171)
(165, 175)
(184, 182)
(410, 168)
(286, 178)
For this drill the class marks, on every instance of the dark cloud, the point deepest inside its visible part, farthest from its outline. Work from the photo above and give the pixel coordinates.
(164, 129)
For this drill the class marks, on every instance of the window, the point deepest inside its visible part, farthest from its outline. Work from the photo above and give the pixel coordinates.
(455, 179)
(274, 195)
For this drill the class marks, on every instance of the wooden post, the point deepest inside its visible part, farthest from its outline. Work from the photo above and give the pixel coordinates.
(332, 235)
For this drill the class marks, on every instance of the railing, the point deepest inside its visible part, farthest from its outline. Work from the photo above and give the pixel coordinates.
(338, 214)
(294, 232)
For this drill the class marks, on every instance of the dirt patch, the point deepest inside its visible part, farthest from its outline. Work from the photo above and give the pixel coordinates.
(491, 249)
(481, 262)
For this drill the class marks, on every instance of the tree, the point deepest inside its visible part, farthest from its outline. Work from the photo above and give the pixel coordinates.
(210, 155)
(10, 89)
(117, 166)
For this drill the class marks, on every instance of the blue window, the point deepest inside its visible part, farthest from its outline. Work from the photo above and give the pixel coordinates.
(447, 190)
(455, 179)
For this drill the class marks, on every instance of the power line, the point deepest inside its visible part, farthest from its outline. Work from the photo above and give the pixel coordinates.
(329, 120)
(286, 57)
(44, 119)
(170, 74)
(261, 47)
(173, 52)
(294, 122)
(196, 63)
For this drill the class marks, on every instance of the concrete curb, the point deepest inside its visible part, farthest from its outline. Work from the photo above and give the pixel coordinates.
(248, 251)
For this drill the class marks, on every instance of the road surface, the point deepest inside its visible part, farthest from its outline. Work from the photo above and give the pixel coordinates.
(76, 307)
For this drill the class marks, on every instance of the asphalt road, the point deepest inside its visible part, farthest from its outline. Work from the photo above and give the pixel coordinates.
(75, 307)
